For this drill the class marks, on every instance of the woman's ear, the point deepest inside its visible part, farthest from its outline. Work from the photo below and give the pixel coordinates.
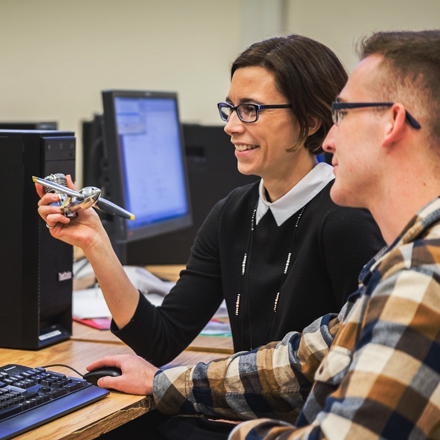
(314, 124)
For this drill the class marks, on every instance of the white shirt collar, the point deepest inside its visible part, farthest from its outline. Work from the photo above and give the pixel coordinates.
(301, 194)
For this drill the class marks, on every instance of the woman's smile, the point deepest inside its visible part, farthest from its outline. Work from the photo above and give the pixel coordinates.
(245, 147)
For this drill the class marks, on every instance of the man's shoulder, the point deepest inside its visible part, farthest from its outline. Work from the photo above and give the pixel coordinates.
(421, 254)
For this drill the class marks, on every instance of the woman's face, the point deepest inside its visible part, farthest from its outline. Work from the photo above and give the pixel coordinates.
(260, 147)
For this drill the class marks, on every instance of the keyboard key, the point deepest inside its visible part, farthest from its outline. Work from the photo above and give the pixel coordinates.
(10, 411)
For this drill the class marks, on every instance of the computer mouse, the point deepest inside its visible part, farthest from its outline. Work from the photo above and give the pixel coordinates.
(94, 375)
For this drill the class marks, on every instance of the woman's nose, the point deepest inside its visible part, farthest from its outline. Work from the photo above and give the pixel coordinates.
(234, 124)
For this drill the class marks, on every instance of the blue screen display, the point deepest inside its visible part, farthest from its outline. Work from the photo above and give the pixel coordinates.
(152, 161)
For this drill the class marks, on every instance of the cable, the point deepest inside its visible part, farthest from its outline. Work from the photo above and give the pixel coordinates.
(63, 365)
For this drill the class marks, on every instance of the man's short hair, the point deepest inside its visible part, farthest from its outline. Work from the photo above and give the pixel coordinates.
(412, 63)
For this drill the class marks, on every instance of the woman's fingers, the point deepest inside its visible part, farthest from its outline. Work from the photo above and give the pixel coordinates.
(48, 199)
(70, 183)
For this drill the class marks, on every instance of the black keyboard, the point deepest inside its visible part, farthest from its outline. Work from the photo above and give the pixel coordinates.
(30, 397)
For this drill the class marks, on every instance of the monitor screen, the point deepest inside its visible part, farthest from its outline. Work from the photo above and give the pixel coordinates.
(146, 168)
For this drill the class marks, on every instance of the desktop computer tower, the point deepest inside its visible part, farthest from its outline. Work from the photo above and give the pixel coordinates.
(35, 268)
(212, 173)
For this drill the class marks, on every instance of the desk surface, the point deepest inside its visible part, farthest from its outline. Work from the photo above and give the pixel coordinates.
(102, 416)
(167, 272)
(209, 344)
(88, 344)
(215, 344)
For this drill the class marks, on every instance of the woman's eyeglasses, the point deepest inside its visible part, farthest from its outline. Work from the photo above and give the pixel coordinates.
(245, 112)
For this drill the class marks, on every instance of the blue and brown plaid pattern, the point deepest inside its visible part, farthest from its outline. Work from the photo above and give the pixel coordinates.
(375, 369)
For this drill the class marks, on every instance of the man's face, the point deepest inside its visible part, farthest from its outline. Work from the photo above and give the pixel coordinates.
(356, 140)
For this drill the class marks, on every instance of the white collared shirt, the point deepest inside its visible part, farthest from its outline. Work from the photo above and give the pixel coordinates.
(301, 194)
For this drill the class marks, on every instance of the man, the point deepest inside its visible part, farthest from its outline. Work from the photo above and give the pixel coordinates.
(373, 371)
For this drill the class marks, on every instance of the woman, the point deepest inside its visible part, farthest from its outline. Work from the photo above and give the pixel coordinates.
(280, 252)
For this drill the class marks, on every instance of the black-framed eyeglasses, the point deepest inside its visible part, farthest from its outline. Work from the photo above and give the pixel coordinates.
(245, 112)
(338, 113)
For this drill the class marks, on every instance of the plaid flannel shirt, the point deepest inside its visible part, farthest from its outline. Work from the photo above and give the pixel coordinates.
(375, 368)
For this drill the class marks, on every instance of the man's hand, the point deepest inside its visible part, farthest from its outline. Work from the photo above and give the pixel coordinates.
(137, 374)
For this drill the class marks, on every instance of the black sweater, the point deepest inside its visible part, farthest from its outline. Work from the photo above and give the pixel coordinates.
(330, 247)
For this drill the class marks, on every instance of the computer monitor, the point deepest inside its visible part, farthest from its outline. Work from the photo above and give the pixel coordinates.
(213, 174)
(28, 125)
(146, 165)
(94, 161)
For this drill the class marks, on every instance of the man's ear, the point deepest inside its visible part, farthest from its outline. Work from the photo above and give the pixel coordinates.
(395, 125)
(313, 124)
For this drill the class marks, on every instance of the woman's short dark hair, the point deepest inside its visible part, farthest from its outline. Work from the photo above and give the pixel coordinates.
(307, 73)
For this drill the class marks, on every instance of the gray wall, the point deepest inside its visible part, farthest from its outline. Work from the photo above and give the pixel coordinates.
(57, 55)
(340, 23)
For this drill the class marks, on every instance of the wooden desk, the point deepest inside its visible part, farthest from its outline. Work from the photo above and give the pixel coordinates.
(209, 344)
(102, 416)
(169, 272)
(88, 344)
(215, 344)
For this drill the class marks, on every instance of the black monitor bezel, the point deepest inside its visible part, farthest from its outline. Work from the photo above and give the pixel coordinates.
(114, 190)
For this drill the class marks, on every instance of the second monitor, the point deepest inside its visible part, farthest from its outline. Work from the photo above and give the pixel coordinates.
(142, 157)
(146, 166)
(212, 173)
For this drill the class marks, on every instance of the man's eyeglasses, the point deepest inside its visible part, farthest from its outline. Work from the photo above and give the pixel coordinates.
(338, 113)
(245, 112)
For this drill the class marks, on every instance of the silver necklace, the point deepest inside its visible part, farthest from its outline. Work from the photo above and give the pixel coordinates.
(246, 263)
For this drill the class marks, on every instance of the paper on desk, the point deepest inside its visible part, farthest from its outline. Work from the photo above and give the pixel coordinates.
(222, 311)
(216, 328)
(98, 323)
(90, 303)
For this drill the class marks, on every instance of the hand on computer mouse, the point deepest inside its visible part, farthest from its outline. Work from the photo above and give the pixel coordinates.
(136, 378)
(94, 375)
